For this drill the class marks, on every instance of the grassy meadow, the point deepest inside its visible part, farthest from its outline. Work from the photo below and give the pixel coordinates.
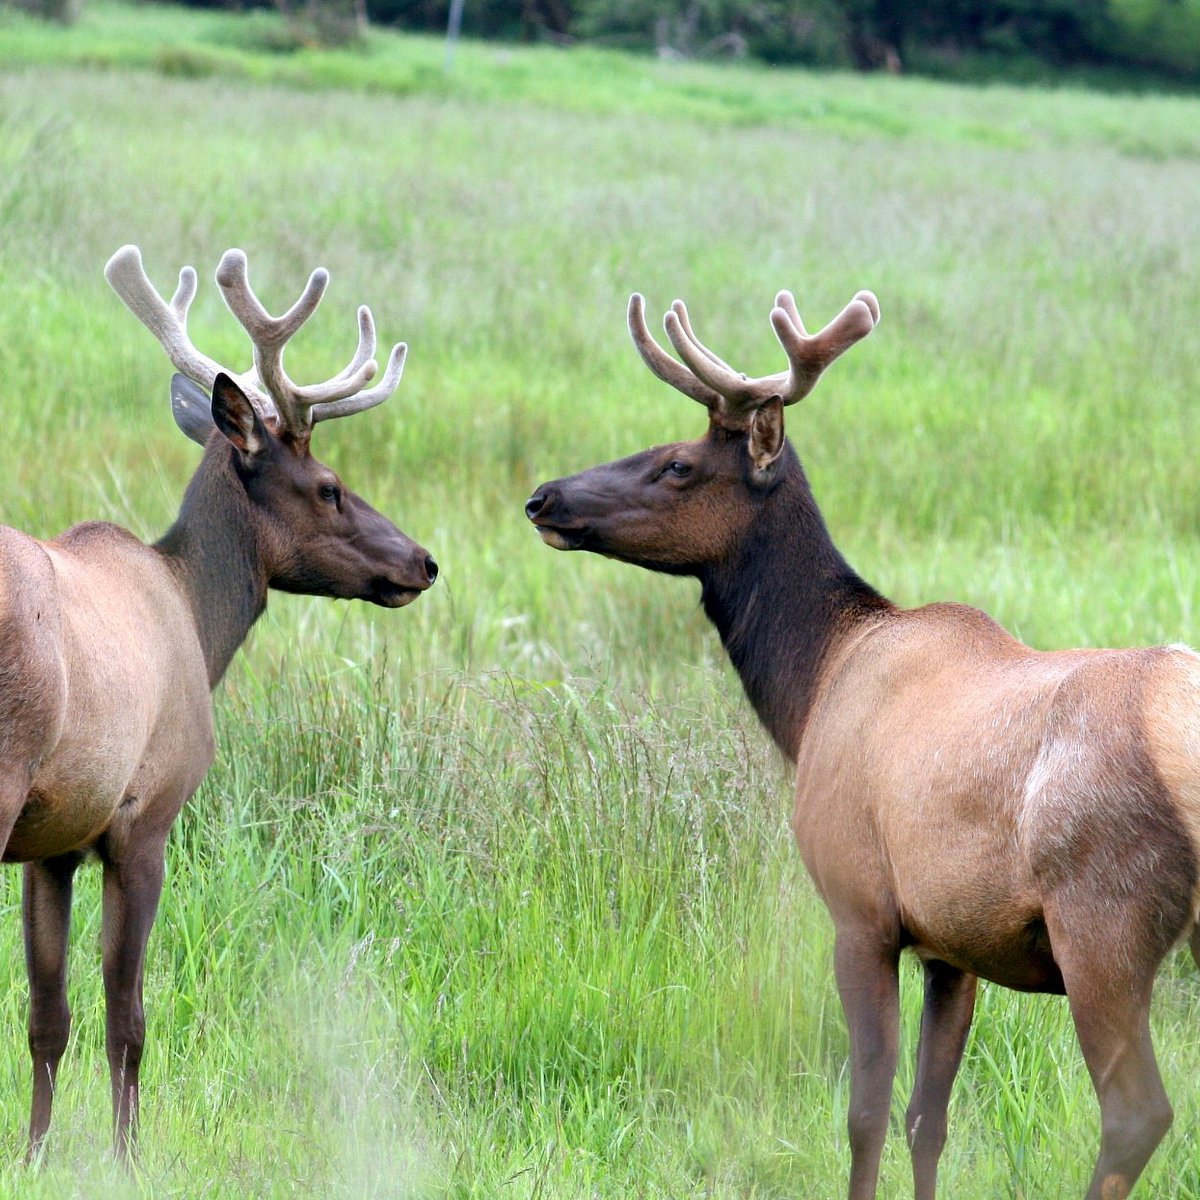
(495, 897)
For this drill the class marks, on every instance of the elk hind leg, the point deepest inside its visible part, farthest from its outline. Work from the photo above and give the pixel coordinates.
(46, 918)
(945, 1022)
(1110, 1004)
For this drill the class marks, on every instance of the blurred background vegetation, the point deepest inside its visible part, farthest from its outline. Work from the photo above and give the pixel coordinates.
(1122, 42)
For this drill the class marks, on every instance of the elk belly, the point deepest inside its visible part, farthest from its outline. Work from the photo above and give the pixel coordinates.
(79, 786)
(996, 935)
(54, 822)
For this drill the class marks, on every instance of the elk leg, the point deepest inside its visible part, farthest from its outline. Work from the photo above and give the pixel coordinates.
(1110, 1003)
(867, 970)
(131, 891)
(945, 1021)
(46, 917)
(1135, 1113)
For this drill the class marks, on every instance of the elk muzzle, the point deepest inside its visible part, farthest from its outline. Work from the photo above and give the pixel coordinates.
(412, 570)
(548, 510)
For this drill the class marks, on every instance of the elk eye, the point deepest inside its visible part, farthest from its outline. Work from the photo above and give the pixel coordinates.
(328, 492)
(679, 468)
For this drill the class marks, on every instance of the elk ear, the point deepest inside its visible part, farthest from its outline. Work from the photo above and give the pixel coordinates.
(237, 418)
(191, 408)
(766, 433)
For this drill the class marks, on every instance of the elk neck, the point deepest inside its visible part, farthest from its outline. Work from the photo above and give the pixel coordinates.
(781, 600)
(215, 549)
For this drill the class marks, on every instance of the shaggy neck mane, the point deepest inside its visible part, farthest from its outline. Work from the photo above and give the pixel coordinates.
(213, 547)
(782, 600)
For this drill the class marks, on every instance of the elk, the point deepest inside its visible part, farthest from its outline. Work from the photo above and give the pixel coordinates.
(109, 647)
(1030, 818)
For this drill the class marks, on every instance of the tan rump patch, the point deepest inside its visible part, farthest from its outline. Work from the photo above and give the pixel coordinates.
(1171, 718)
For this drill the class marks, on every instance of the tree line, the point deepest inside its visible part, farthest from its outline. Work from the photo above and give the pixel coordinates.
(968, 38)
(942, 36)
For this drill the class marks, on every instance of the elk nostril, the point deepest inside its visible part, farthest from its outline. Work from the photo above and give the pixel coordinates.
(431, 568)
(535, 504)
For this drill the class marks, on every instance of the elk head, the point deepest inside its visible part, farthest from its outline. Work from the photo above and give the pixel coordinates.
(681, 508)
(316, 535)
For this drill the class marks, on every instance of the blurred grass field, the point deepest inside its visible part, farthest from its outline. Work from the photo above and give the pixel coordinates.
(495, 897)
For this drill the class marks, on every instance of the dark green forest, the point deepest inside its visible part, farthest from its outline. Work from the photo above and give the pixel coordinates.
(965, 38)
(1147, 42)
(891, 35)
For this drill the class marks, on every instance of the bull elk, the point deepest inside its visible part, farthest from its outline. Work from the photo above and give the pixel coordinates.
(109, 647)
(1025, 817)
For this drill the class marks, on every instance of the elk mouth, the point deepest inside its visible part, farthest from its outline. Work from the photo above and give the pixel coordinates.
(387, 594)
(404, 582)
(562, 537)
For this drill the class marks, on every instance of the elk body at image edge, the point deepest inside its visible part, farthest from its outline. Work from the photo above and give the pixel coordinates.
(109, 647)
(1031, 818)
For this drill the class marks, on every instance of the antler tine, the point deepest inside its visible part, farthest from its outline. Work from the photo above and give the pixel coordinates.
(168, 321)
(787, 302)
(729, 384)
(297, 405)
(366, 345)
(234, 281)
(373, 396)
(810, 355)
(872, 303)
(185, 290)
(661, 363)
(352, 378)
(680, 310)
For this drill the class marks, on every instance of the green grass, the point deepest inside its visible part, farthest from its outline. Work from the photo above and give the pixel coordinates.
(494, 897)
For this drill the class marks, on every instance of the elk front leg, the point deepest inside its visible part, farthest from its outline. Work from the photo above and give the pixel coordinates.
(945, 1021)
(46, 918)
(131, 891)
(867, 968)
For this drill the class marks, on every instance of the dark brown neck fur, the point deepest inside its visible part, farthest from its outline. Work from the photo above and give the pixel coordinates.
(781, 600)
(214, 549)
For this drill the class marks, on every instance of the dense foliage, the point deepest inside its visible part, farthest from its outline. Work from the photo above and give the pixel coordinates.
(940, 36)
(957, 38)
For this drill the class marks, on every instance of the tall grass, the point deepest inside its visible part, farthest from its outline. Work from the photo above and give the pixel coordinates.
(495, 896)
